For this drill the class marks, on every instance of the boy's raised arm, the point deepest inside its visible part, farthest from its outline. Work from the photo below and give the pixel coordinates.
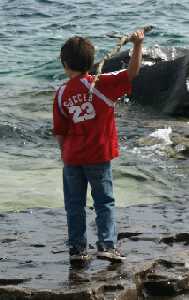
(136, 58)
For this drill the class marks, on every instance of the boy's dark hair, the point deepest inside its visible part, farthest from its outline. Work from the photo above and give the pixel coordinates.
(78, 54)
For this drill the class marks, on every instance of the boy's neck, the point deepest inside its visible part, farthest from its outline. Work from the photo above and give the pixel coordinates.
(72, 74)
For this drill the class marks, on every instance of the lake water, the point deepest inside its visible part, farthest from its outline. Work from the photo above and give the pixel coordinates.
(31, 36)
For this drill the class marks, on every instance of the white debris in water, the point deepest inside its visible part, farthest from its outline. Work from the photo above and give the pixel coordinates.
(180, 148)
(155, 52)
(126, 99)
(163, 134)
(187, 84)
(152, 152)
(173, 53)
(148, 63)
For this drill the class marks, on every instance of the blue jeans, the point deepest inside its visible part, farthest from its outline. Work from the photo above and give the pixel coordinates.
(76, 179)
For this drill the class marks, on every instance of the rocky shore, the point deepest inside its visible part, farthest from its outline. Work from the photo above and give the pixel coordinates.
(34, 262)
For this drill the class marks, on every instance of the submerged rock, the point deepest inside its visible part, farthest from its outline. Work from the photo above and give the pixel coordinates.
(177, 147)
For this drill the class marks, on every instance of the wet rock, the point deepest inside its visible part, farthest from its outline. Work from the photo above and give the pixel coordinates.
(8, 240)
(123, 235)
(38, 245)
(145, 233)
(13, 281)
(11, 293)
(164, 278)
(178, 238)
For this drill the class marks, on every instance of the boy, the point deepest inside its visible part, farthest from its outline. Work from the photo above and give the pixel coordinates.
(85, 129)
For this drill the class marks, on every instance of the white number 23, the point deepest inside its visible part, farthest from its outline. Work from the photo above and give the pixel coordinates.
(81, 113)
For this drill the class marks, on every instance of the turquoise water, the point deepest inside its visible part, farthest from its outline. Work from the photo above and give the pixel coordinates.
(31, 36)
(33, 31)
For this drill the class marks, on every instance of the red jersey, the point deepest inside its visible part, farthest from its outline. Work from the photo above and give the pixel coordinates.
(88, 125)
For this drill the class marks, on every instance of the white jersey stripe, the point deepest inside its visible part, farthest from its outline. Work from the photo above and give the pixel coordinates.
(101, 96)
(113, 73)
(60, 93)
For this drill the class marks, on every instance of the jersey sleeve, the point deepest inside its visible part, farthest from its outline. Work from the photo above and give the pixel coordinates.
(60, 122)
(115, 85)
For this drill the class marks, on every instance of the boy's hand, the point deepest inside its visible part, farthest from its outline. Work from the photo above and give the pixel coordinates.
(137, 37)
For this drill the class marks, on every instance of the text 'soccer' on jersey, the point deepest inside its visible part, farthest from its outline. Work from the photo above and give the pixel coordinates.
(87, 124)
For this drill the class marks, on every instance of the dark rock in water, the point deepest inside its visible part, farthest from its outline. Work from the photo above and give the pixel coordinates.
(151, 268)
(163, 85)
(117, 62)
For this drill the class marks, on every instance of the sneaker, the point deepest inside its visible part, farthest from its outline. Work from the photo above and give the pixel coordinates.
(111, 254)
(78, 255)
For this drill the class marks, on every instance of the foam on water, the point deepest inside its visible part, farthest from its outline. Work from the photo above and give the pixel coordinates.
(163, 135)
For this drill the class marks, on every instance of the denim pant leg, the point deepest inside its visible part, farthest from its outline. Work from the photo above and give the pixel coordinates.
(100, 179)
(75, 189)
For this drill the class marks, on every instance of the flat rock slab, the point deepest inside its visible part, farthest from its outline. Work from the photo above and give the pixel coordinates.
(34, 262)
